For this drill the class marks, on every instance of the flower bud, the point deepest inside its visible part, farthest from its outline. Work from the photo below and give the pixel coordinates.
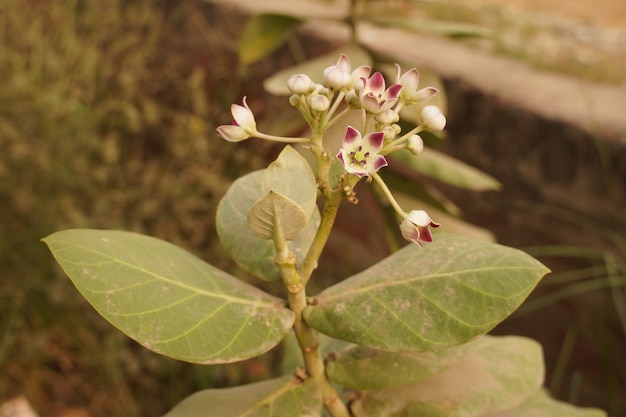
(390, 133)
(336, 77)
(415, 144)
(432, 118)
(387, 117)
(300, 84)
(319, 103)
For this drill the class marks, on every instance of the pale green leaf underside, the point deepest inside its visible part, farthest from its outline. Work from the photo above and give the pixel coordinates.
(274, 214)
(425, 299)
(286, 396)
(358, 367)
(447, 169)
(167, 299)
(541, 405)
(251, 252)
(499, 373)
(291, 175)
(263, 34)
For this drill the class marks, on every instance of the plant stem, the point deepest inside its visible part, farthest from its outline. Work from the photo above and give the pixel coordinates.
(329, 214)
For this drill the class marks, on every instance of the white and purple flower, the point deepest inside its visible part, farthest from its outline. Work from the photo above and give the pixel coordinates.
(416, 227)
(374, 97)
(340, 75)
(243, 126)
(360, 155)
(410, 83)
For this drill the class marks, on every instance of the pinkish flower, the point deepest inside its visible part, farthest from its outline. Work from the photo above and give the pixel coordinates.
(410, 82)
(416, 227)
(243, 126)
(374, 97)
(359, 155)
(339, 76)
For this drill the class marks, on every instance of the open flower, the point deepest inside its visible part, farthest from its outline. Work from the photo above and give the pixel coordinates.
(416, 227)
(243, 126)
(410, 82)
(374, 97)
(359, 155)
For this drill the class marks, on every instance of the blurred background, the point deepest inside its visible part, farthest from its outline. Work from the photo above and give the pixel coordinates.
(108, 112)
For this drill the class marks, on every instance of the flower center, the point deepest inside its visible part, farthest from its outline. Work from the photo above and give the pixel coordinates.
(359, 157)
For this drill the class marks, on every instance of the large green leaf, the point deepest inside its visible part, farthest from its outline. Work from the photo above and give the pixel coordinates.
(541, 405)
(447, 169)
(314, 68)
(286, 396)
(167, 299)
(424, 299)
(263, 34)
(250, 251)
(499, 373)
(358, 367)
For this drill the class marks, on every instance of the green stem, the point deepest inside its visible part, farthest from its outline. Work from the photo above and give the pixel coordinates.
(388, 194)
(329, 213)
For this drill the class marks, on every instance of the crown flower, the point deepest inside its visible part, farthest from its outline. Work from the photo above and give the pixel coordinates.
(339, 75)
(416, 227)
(374, 97)
(410, 83)
(360, 155)
(243, 126)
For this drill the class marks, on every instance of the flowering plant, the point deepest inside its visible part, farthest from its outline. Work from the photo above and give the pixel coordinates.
(403, 337)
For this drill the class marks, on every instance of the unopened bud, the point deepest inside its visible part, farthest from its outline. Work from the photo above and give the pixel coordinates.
(300, 84)
(415, 145)
(433, 119)
(387, 117)
(319, 103)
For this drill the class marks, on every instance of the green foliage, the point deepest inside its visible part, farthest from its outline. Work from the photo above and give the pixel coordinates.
(168, 300)
(286, 396)
(263, 34)
(424, 299)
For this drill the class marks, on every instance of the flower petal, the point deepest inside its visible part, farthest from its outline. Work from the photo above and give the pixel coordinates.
(352, 138)
(373, 142)
(232, 133)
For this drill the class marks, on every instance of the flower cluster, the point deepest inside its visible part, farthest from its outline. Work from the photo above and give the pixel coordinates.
(363, 149)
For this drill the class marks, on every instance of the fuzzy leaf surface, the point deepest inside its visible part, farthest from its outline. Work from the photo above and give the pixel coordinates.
(429, 298)
(250, 251)
(168, 300)
(542, 405)
(286, 396)
(362, 368)
(498, 374)
(291, 175)
(263, 34)
(275, 212)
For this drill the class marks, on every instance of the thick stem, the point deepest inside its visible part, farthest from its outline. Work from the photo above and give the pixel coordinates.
(329, 213)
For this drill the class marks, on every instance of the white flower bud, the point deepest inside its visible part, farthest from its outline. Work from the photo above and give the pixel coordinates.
(300, 84)
(387, 117)
(415, 145)
(432, 118)
(319, 103)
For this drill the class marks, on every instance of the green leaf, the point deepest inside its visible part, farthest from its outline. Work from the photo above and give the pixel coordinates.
(314, 68)
(499, 373)
(286, 396)
(425, 299)
(251, 252)
(541, 405)
(291, 175)
(447, 169)
(276, 212)
(263, 34)
(167, 299)
(358, 367)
